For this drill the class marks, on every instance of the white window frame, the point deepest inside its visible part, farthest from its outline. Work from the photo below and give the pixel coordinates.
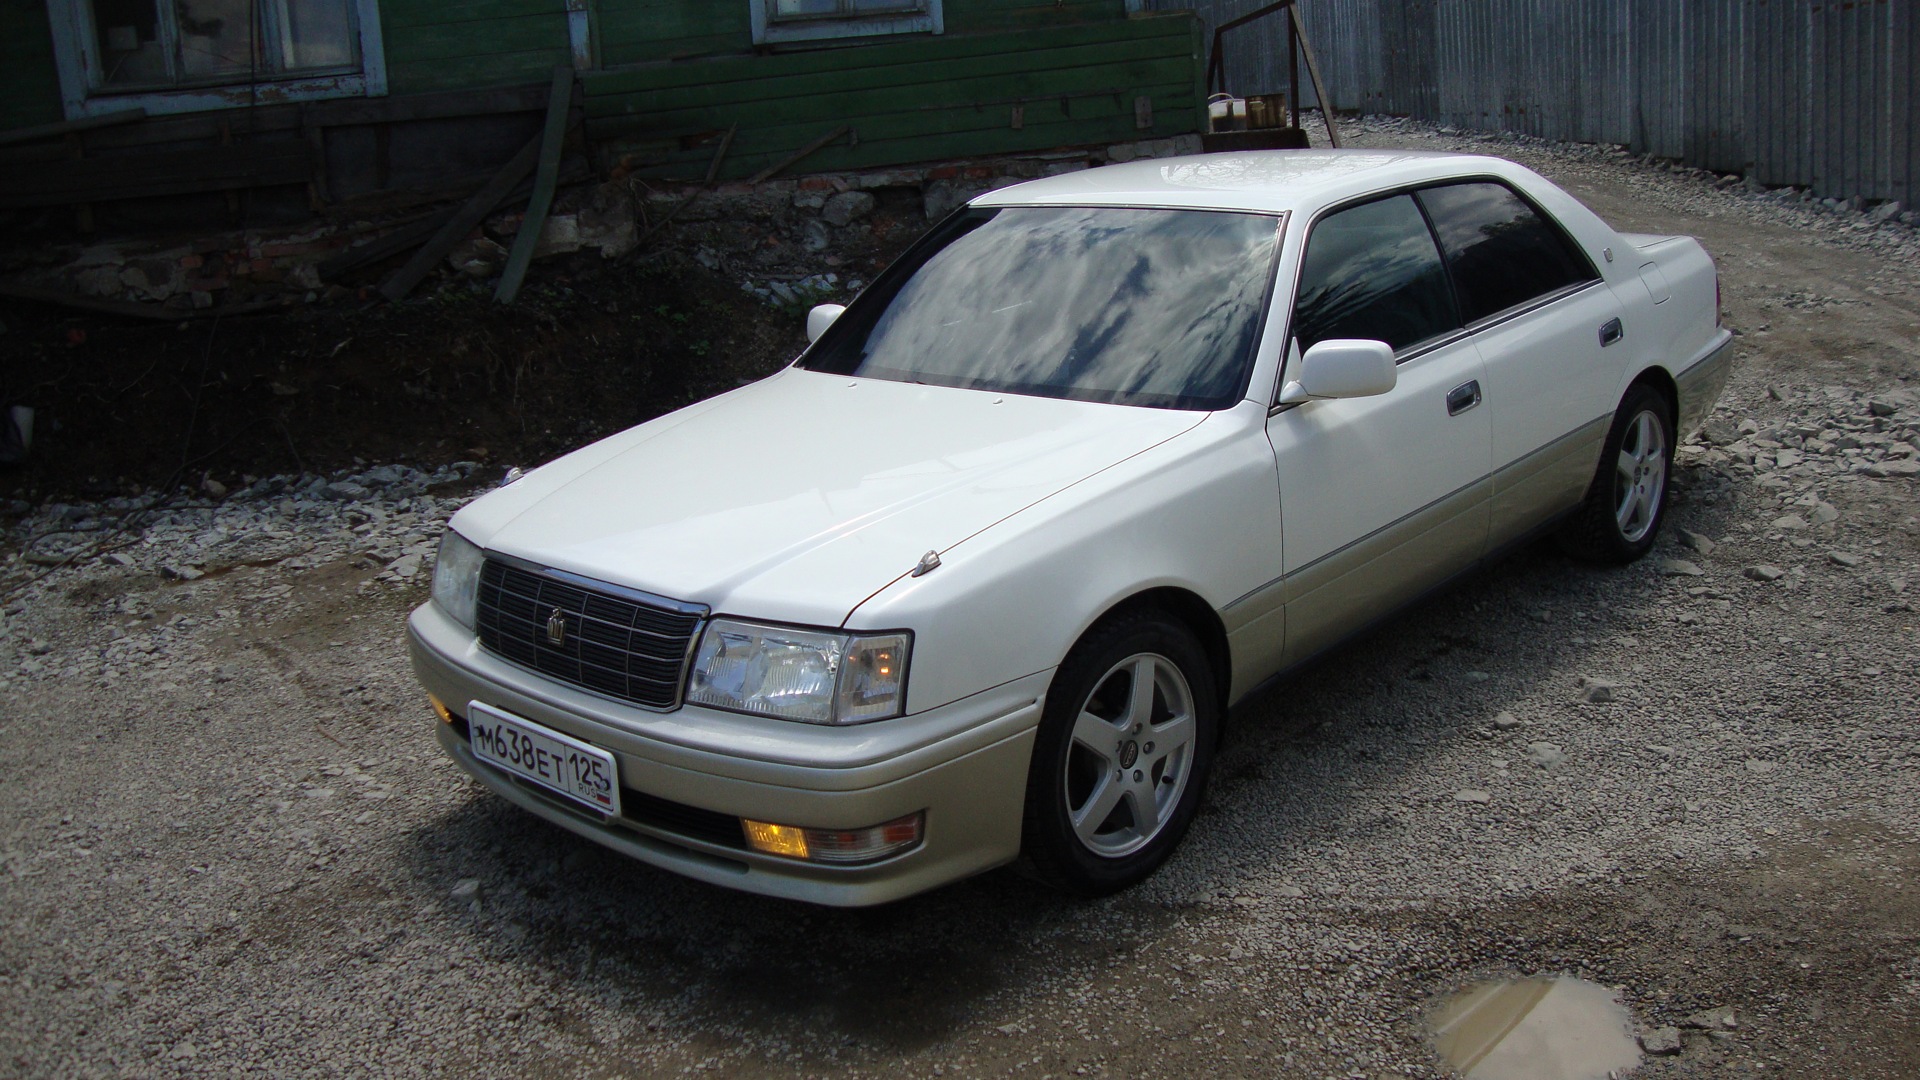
(76, 55)
(768, 31)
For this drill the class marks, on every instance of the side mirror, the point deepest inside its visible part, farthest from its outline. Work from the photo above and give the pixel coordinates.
(1342, 368)
(820, 318)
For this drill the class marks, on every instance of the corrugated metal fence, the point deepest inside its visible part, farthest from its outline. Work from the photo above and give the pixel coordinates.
(1819, 94)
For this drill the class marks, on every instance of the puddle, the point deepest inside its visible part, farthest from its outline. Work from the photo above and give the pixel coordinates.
(1535, 1029)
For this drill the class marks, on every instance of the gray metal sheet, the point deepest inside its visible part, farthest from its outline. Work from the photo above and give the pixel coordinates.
(1800, 92)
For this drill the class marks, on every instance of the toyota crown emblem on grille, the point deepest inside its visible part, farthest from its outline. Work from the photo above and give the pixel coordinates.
(557, 627)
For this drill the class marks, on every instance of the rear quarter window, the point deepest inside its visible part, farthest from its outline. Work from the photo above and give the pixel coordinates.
(1500, 250)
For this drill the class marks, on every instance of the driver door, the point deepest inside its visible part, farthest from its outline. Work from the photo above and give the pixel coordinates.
(1383, 497)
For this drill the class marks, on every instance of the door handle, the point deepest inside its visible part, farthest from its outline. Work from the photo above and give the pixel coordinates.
(1610, 332)
(1463, 397)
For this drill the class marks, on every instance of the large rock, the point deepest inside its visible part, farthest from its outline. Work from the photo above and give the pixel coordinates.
(609, 223)
(847, 207)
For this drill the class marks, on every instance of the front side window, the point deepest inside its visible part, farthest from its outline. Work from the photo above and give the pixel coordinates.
(181, 55)
(1156, 308)
(776, 21)
(1502, 252)
(1371, 271)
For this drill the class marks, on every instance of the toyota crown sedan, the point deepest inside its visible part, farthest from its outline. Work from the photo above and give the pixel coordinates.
(975, 580)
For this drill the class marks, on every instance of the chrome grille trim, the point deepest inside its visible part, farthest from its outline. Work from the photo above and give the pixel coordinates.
(620, 643)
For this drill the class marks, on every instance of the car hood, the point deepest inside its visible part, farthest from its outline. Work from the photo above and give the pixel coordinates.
(798, 497)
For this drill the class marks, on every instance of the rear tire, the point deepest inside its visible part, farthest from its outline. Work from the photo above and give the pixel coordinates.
(1121, 761)
(1627, 501)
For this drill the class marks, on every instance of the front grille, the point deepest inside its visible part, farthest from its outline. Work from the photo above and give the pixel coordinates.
(616, 645)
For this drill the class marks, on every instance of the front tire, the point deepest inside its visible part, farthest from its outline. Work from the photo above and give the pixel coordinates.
(1627, 501)
(1121, 761)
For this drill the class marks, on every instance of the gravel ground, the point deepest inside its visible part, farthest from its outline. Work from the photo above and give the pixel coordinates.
(229, 845)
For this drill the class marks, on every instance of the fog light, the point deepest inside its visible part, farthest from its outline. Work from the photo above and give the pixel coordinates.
(776, 839)
(440, 709)
(842, 846)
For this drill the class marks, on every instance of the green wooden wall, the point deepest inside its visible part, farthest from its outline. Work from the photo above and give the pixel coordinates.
(638, 31)
(30, 91)
(458, 44)
(675, 72)
(912, 99)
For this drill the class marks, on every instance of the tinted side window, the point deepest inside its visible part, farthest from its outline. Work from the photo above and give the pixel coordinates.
(1371, 271)
(1500, 250)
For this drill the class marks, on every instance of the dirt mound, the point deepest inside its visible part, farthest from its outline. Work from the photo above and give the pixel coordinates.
(589, 349)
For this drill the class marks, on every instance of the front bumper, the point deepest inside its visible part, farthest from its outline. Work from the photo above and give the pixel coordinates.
(964, 764)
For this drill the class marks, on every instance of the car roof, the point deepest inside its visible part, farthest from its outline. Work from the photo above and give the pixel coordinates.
(1262, 180)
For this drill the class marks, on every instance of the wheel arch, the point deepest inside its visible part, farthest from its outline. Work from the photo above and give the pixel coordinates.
(1661, 380)
(1197, 616)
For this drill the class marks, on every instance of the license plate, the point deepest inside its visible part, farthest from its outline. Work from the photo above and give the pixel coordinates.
(559, 763)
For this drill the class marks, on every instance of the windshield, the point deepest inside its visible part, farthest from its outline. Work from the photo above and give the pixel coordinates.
(1138, 307)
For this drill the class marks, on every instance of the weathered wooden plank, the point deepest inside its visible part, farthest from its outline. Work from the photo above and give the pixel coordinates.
(906, 138)
(442, 105)
(411, 13)
(617, 53)
(907, 83)
(720, 154)
(1313, 72)
(1089, 108)
(637, 30)
(464, 73)
(172, 172)
(471, 214)
(68, 127)
(462, 40)
(943, 147)
(559, 104)
(928, 108)
(794, 158)
(163, 132)
(975, 17)
(871, 57)
(415, 233)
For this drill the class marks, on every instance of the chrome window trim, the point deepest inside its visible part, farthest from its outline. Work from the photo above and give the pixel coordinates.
(1421, 348)
(1535, 304)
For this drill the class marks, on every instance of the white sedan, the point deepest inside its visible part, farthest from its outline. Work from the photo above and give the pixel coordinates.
(976, 579)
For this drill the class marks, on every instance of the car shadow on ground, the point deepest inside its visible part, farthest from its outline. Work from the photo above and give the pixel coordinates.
(1303, 765)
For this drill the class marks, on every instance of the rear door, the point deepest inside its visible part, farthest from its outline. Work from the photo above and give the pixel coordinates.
(1380, 497)
(1544, 322)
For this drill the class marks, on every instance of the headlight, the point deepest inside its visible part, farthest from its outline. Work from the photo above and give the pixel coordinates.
(814, 676)
(456, 577)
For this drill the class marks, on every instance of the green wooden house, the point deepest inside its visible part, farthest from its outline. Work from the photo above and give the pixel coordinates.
(660, 81)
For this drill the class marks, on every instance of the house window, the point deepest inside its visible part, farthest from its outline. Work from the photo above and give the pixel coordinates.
(776, 21)
(185, 55)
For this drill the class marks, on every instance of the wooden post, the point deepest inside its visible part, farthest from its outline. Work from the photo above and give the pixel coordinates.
(1313, 72)
(559, 103)
(1293, 72)
(82, 212)
(720, 155)
(793, 158)
(472, 213)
